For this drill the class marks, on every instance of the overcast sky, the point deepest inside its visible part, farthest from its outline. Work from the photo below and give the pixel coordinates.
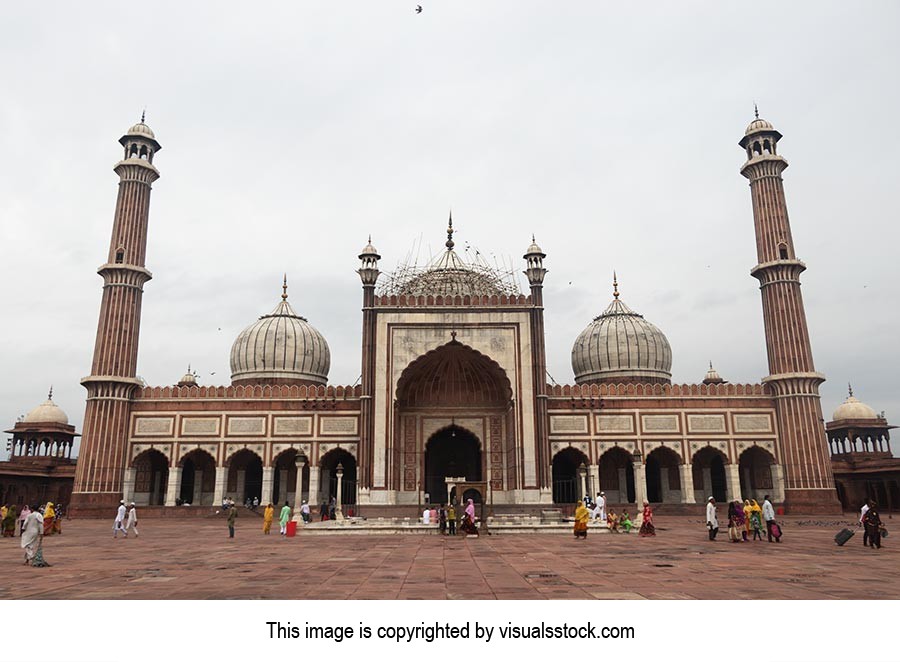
(291, 131)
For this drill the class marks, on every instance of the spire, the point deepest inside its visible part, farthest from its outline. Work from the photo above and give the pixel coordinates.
(615, 286)
(755, 110)
(710, 365)
(850, 389)
(284, 289)
(50, 394)
(450, 243)
(143, 115)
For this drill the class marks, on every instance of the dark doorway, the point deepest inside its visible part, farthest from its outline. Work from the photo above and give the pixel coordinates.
(248, 465)
(198, 477)
(151, 477)
(348, 482)
(662, 469)
(714, 460)
(451, 453)
(615, 464)
(755, 468)
(566, 480)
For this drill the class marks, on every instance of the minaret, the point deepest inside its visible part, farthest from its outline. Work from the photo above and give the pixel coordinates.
(809, 483)
(368, 274)
(113, 378)
(535, 271)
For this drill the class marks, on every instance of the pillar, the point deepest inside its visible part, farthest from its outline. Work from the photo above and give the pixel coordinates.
(221, 484)
(128, 485)
(640, 482)
(314, 485)
(241, 486)
(174, 487)
(623, 485)
(268, 478)
(583, 477)
(777, 483)
(687, 484)
(198, 488)
(298, 490)
(707, 482)
(732, 482)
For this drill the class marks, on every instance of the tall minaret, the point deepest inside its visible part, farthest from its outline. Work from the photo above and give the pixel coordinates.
(368, 274)
(113, 378)
(809, 484)
(535, 271)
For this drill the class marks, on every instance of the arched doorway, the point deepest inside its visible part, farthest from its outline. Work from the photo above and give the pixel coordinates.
(566, 479)
(755, 466)
(708, 469)
(151, 478)
(284, 480)
(663, 479)
(198, 478)
(330, 480)
(617, 475)
(245, 476)
(450, 453)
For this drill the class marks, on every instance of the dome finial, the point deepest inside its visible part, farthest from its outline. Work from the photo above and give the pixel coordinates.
(284, 289)
(50, 394)
(615, 286)
(450, 243)
(850, 389)
(755, 110)
(710, 365)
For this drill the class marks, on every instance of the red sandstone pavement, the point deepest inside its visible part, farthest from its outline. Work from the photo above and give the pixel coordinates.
(190, 559)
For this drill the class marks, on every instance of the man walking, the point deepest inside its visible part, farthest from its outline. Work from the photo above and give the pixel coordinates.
(862, 521)
(712, 522)
(119, 524)
(285, 517)
(873, 525)
(32, 534)
(769, 516)
(304, 512)
(132, 521)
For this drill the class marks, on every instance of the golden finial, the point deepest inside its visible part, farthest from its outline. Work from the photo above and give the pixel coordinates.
(449, 243)
(143, 115)
(755, 110)
(850, 389)
(710, 365)
(284, 289)
(615, 286)
(50, 394)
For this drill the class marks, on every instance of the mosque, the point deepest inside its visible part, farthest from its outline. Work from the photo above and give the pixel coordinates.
(454, 399)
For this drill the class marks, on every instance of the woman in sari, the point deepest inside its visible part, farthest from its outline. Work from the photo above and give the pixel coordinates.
(612, 521)
(49, 516)
(268, 516)
(468, 523)
(582, 514)
(8, 524)
(748, 509)
(756, 520)
(32, 535)
(625, 521)
(647, 528)
(26, 511)
(735, 520)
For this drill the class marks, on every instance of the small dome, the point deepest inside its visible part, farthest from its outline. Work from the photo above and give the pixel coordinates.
(188, 378)
(369, 249)
(534, 249)
(48, 412)
(758, 125)
(853, 409)
(141, 129)
(712, 376)
(280, 347)
(621, 346)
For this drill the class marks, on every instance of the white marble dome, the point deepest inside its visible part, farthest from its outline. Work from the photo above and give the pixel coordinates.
(758, 125)
(853, 409)
(621, 346)
(48, 412)
(280, 347)
(141, 129)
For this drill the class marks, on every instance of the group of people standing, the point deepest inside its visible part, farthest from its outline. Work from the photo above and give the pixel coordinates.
(446, 518)
(744, 519)
(12, 521)
(588, 510)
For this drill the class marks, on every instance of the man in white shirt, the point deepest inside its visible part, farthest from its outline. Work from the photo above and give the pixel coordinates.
(769, 515)
(600, 507)
(862, 518)
(712, 521)
(132, 521)
(304, 512)
(119, 524)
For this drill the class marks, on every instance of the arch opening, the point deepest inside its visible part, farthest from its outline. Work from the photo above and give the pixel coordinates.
(708, 469)
(245, 476)
(755, 467)
(453, 452)
(151, 478)
(663, 477)
(198, 479)
(329, 480)
(617, 476)
(567, 487)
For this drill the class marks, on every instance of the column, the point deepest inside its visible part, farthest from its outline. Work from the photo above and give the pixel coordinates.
(732, 481)
(241, 486)
(593, 482)
(622, 493)
(198, 488)
(687, 484)
(640, 482)
(128, 485)
(748, 481)
(282, 486)
(583, 477)
(267, 480)
(221, 484)
(777, 483)
(174, 487)
(707, 483)
(298, 490)
(313, 485)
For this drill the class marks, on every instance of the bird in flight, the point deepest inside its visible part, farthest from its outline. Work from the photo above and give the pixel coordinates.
(418, 9)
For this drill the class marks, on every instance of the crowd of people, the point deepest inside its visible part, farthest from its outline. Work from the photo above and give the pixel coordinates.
(32, 523)
(589, 509)
(744, 518)
(445, 517)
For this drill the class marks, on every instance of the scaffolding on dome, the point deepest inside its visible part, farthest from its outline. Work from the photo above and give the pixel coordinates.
(450, 275)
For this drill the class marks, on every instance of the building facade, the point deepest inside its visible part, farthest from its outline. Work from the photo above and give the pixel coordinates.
(453, 399)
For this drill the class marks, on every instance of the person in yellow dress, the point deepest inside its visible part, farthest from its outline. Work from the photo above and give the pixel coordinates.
(582, 515)
(49, 516)
(268, 516)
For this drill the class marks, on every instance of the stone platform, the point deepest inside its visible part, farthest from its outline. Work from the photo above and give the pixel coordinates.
(195, 559)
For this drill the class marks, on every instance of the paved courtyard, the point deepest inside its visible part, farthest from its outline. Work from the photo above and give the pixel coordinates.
(182, 559)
